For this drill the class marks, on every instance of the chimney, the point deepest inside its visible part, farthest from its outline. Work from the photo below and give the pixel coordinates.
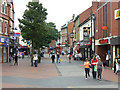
(73, 17)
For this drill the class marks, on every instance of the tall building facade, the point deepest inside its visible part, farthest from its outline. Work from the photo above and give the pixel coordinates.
(107, 40)
(6, 28)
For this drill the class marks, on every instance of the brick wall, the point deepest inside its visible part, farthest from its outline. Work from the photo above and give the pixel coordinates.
(69, 30)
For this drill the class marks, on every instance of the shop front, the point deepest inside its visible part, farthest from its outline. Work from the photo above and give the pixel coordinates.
(0, 54)
(102, 47)
(115, 42)
(4, 49)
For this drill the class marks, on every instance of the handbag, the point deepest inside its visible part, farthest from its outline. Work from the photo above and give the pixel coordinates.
(90, 66)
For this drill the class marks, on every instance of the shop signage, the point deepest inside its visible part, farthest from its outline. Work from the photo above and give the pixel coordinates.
(4, 41)
(103, 41)
(104, 28)
(86, 35)
(117, 14)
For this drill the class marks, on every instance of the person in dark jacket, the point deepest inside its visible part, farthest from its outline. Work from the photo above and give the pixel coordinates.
(16, 59)
(58, 56)
(53, 58)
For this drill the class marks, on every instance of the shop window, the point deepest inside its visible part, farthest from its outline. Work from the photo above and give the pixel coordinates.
(4, 7)
(5, 27)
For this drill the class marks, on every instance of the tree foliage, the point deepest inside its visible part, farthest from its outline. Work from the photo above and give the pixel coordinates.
(34, 28)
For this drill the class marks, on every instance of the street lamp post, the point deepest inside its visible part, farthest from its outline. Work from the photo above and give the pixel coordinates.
(72, 36)
(92, 17)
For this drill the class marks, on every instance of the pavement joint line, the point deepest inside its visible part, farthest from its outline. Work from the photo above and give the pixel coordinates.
(58, 71)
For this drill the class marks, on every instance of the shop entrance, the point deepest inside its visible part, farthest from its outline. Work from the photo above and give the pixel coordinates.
(102, 50)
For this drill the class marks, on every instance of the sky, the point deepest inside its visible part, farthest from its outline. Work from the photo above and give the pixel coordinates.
(59, 11)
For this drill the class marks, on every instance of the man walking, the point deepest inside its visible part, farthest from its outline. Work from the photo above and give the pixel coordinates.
(53, 58)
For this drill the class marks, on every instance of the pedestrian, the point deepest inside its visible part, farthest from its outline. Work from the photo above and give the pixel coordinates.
(35, 60)
(107, 60)
(16, 59)
(58, 56)
(80, 56)
(114, 66)
(49, 54)
(93, 63)
(12, 60)
(95, 70)
(99, 69)
(69, 56)
(87, 68)
(53, 58)
(117, 64)
(22, 55)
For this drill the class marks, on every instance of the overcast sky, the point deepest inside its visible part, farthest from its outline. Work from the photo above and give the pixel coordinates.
(59, 11)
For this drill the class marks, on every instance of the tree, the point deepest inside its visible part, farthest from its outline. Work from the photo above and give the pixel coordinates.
(32, 24)
(34, 28)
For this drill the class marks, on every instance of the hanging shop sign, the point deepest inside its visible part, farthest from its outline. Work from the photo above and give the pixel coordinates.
(4, 41)
(104, 28)
(16, 33)
(86, 36)
(72, 35)
(117, 14)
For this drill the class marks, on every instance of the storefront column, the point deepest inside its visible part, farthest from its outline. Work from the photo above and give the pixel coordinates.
(113, 54)
(7, 54)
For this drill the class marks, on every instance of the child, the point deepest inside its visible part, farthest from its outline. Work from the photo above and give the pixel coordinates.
(95, 70)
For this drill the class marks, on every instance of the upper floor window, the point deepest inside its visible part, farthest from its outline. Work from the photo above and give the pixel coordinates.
(5, 27)
(4, 8)
(0, 26)
(11, 14)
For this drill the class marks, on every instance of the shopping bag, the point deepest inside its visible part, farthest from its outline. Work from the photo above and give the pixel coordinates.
(60, 59)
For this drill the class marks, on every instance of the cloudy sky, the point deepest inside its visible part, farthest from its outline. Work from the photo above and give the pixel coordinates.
(59, 11)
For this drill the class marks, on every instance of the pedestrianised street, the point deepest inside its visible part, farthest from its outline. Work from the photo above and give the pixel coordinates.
(57, 75)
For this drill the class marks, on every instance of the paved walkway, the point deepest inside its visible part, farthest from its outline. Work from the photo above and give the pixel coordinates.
(48, 75)
(106, 75)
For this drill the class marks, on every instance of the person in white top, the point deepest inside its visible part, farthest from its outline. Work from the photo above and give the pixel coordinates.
(107, 59)
(35, 59)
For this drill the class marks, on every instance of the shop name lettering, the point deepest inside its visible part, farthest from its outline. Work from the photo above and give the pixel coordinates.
(118, 13)
(103, 41)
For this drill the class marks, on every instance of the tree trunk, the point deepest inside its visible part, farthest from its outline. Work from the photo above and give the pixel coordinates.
(39, 56)
(32, 54)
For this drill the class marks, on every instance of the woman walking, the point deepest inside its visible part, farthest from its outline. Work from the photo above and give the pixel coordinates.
(35, 59)
(99, 68)
(87, 68)
(94, 62)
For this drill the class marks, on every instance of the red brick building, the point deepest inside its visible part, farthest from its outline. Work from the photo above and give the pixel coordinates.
(69, 31)
(107, 41)
(6, 28)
